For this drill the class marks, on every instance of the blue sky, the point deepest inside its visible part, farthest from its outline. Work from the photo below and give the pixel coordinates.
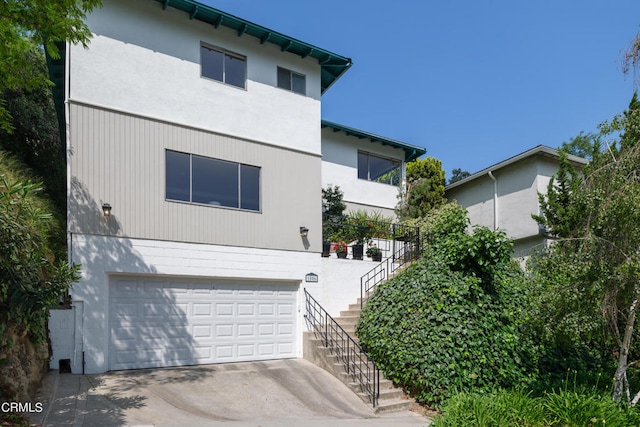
(472, 82)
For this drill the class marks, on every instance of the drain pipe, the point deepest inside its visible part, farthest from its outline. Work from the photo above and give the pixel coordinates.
(495, 200)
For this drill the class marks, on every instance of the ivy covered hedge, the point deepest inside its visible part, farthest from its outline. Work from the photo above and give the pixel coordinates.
(452, 321)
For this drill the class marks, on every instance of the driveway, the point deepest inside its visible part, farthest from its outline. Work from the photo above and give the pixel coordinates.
(274, 393)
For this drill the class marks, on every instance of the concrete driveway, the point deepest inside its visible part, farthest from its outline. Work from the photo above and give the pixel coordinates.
(274, 393)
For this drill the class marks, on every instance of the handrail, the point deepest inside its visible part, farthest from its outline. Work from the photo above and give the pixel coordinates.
(409, 251)
(356, 362)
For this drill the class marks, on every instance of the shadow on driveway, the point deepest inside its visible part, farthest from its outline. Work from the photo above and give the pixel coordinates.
(291, 391)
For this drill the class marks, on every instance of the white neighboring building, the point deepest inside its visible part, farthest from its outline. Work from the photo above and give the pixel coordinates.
(505, 195)
(200, 131)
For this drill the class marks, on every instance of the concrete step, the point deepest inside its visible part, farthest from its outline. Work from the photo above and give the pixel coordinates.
(347, 320)
(395, 405)
(350, 313)
(389, 395)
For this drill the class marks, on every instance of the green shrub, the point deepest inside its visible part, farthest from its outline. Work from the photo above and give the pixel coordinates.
(31, 279)
(504, 408)
(500, 409)
(454, 319)
(433, 330)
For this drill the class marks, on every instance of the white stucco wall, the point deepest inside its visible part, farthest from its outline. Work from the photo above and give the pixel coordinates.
(518, 185)
(146, 61)
(340, 167)
(102, 257)
(86, 327)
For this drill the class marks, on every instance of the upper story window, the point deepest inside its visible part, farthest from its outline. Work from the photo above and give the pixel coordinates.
(222, 65)
(204, 180)
(379, 169)
(290, 80)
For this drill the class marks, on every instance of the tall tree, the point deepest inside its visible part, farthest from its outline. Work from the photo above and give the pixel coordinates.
(582, 145)
(35, 138)
(425, 188)
(631, 57)
(29, 24)
(458, 175)
(597, 221)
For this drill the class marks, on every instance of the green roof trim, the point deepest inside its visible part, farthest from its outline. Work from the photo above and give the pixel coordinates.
(412, 152)
(333, 66)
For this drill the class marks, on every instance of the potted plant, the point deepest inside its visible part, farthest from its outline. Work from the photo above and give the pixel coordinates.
(332, 212)
(341, 250)
(361, 228)
(375, 253)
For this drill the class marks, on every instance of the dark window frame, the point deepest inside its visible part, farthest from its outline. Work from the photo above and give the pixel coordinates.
(226, 78)
(397, 165)
(248, 171)
(289, 83)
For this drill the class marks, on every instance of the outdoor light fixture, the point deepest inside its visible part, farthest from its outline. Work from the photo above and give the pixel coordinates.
(106, 210)
(304, 232)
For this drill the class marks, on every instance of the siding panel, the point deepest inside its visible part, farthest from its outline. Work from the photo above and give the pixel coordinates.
(120, 159)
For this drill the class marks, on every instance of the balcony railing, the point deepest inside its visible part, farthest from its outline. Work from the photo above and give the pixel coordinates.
(392, 239)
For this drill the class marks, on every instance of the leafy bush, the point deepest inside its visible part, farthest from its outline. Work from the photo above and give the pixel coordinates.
(562, 407)
(454, 318)
(31, 281)
(500, 408)
(433, 330)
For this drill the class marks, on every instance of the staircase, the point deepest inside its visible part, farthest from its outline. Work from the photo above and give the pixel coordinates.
(389, 398)
(333, 345)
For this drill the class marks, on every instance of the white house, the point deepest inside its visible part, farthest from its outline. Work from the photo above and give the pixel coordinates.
(368, 168)
(505, 195)
(196, 158)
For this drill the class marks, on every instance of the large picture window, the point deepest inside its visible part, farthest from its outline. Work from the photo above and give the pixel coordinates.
(222, 65)
(204, 180)
(379, 169)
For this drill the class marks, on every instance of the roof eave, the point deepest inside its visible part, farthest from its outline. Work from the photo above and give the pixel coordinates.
(412, 152)
(540, 149)
(332, 65)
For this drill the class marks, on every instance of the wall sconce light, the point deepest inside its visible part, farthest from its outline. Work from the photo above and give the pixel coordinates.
(304, 232)
(106, 210)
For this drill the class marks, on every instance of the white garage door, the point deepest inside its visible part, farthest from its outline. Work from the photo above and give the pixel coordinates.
(172, 322)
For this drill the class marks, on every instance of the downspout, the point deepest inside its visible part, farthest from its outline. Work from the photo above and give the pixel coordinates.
(78, 317)
(495, 200)
(67, 92)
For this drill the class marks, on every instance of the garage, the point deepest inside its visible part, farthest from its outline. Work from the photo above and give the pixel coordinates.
(157, 322)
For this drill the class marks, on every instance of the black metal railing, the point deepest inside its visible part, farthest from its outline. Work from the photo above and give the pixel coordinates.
(405, 251)
(356, 362)
(390, 238)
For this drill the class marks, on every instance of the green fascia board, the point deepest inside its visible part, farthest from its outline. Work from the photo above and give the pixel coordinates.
(333, 66)
(412, 152)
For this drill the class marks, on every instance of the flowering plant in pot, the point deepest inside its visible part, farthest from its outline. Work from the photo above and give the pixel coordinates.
(341, 250)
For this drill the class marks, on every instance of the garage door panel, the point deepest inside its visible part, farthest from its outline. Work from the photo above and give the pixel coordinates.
(171, 322)
(246, 309)
(224, 309)
(285, 309)
(202, 310)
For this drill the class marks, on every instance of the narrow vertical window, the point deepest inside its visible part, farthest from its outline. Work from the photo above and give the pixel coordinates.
(178, 167)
